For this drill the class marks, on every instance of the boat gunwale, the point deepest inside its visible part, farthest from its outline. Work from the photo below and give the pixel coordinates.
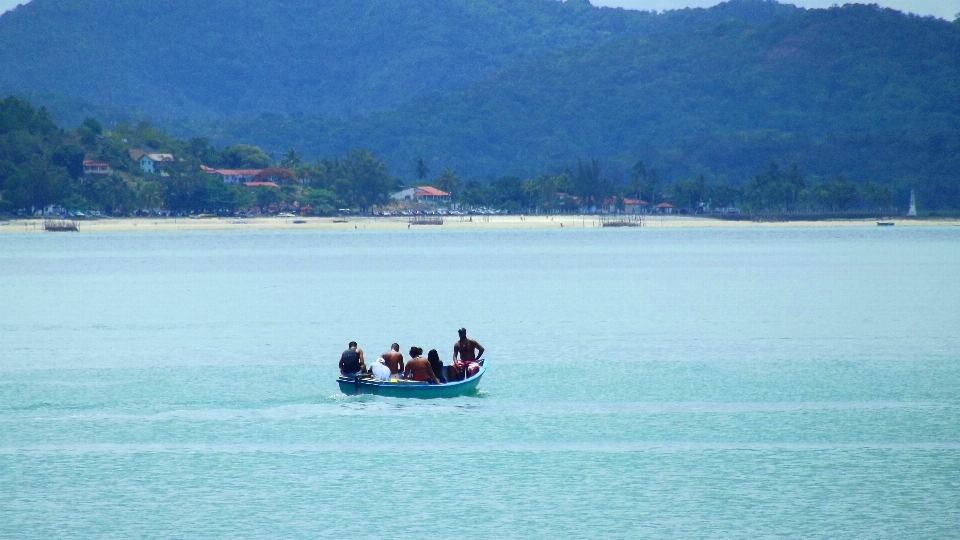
(412, 387)
(413, 384)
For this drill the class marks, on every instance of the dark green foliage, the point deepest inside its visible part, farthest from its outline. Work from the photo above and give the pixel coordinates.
(836, 195)
(323, 202)
(589, 184)
(176, 58)
(724, 196)
(41, 165)
(689, 193)
(291, 159)
(421, 169)
(359, 177)
(88, 131)
(775, 189)
(522, 88)
(112, 193)
(34, 166)
(242, 156)
(861, 91)
(70, 157)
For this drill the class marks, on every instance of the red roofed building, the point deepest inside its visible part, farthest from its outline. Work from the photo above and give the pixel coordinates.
(95, 167)
(664, 208)
(634, 206)
(426, 194)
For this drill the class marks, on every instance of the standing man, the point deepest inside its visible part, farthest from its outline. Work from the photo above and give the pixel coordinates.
(394, 359)
(469, 352)
(351, 361)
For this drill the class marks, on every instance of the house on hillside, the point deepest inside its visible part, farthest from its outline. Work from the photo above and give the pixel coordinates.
(234, 176)
(95, 168)
(151, 163)
(423, 194)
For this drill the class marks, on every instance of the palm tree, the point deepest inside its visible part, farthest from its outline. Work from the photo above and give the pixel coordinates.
(291, 159)
(149, 195)
(638, 175)
(421, 169)
(448, 180)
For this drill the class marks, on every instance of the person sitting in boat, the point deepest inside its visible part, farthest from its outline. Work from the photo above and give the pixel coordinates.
(435, 364)
(418, 368)
(351, 361)
(469, 353)
(394, 359)
(380, 371)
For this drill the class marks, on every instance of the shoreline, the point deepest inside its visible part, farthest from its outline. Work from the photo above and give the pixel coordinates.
(34, 225)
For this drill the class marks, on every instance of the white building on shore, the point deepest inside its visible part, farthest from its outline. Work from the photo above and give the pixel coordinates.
(423, 194)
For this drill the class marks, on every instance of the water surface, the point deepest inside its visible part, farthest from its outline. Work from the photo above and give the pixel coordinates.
(643, 383)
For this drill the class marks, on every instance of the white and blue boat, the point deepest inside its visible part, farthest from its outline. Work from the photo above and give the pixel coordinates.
(412, 389)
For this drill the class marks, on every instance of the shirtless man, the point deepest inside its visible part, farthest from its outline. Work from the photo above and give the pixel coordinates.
(394, 359)
(418, 367)
(469, 352)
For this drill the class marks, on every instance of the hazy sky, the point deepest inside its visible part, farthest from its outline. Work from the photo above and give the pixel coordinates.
(941, 8)
(945, 9)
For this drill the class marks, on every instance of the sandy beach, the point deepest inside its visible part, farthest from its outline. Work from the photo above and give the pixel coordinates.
(449, 222)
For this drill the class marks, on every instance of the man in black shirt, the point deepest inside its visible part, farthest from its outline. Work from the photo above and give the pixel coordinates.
(351, 361)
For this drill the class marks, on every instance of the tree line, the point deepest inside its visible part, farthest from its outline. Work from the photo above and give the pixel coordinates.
(42, 164)
(584, 187)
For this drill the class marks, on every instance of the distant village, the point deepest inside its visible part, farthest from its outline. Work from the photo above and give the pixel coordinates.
(413, 200)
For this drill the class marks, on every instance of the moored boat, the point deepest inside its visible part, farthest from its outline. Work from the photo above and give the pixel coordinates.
(411, 389)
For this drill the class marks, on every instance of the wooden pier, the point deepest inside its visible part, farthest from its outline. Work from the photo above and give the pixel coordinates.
(60, 225)
(621, 220)
(425, 220)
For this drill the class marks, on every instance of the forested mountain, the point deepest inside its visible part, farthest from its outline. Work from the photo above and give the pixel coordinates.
(487, 88)
(172, 59)
(861, 91)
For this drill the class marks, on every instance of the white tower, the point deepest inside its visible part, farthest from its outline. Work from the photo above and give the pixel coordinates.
(913, 205)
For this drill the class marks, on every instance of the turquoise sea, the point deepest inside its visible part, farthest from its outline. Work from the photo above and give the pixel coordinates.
(642, 383)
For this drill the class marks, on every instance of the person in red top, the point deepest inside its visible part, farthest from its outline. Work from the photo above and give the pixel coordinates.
(469, 352)
(418, 368)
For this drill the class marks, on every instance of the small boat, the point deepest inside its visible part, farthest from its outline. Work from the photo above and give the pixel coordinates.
(411, 389)
(884, 224)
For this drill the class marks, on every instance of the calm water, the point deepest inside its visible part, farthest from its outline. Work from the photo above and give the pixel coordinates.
(642, 383)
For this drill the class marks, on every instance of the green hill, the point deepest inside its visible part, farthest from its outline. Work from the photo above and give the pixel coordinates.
(861, 91)
(515, 87)
(173, 59)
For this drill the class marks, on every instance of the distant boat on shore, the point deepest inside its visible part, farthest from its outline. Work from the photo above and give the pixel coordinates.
(885, 224)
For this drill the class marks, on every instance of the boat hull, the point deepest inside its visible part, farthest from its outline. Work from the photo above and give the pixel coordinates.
(416, 390)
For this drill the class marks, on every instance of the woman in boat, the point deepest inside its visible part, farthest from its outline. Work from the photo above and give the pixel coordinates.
(418, 367)
(436, 365)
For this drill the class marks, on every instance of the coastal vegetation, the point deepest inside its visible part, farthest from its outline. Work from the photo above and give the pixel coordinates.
(866, 93)
(42, 165)
(89, 168)
(526, 105)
